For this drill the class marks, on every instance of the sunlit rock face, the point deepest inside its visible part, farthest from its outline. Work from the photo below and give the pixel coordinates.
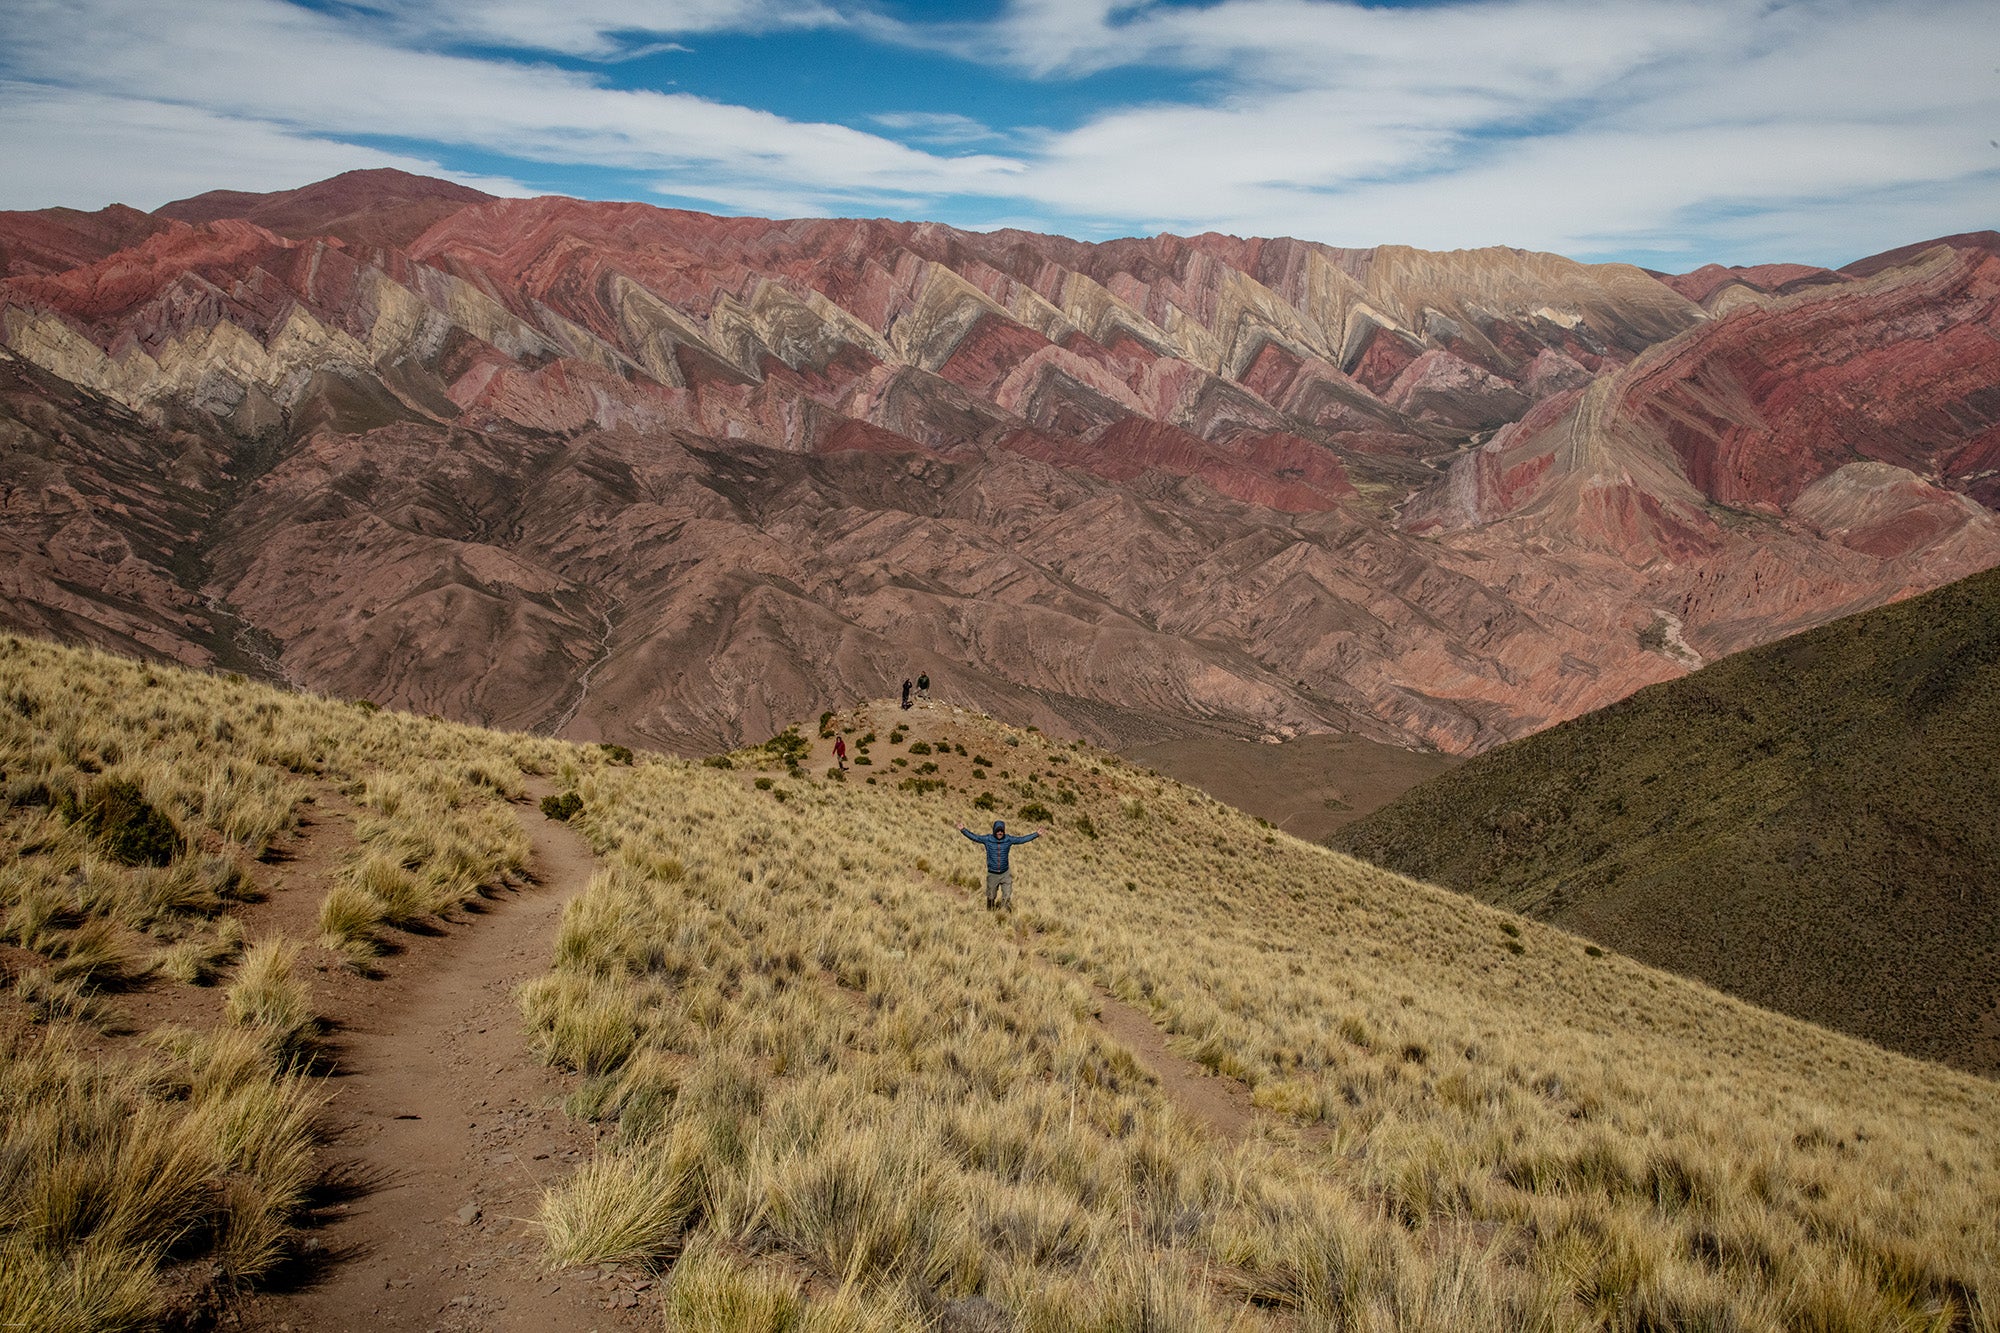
(674, 479)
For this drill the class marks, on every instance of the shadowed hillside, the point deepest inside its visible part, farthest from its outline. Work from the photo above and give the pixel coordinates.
(1808, 825)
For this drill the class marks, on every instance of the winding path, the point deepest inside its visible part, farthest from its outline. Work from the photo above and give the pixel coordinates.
(447, 1128)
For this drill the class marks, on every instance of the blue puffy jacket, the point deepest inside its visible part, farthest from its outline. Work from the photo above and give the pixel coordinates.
(996, 847)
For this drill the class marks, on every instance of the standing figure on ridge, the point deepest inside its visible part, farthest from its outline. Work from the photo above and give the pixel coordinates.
(924, 686)
(906, 691)
(840, 752)
(999, 877)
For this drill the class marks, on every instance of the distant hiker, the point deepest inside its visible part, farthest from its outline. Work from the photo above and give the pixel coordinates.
(924, 686)
(840, 751)
(999, 879)
(906, 691)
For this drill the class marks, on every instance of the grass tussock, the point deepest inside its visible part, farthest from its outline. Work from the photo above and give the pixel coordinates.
(268, 1000)
(116, 1174)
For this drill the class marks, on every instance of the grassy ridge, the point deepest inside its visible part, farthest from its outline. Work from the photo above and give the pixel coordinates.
(847, 1097)
(1809, 825)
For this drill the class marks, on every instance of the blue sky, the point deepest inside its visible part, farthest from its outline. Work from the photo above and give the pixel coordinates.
(1670, 132)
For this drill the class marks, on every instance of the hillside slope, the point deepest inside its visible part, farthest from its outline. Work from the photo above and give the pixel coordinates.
(831, 1092)
(1809, 825)
(670, 479)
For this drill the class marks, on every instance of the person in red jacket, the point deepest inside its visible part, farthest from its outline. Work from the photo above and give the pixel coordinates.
(840, 752)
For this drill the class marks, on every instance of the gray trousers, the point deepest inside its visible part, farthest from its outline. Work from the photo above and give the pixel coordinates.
(1000, 888)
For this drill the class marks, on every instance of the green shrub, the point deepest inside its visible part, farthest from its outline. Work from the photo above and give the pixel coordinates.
(124, 823)
(717, 761)
(788, 747)
(1035, 810)
(985, 801)
(562, 807)
(763, 784)
(922, 785)
(920, 747)
(617, 754)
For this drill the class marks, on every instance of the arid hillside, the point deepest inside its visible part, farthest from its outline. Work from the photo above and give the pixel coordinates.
(1204, 1076)
(1808, 825)
(627, 473)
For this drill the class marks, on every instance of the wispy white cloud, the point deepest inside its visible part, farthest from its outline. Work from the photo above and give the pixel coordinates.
(938, 127)
(86, 150)
(293, 71)
(1816, 128)
(593, 29)
(1587, 127)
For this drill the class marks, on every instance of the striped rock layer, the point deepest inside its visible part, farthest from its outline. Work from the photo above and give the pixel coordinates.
(666, 478)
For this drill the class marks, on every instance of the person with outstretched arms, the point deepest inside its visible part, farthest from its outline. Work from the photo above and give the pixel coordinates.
(999, 874)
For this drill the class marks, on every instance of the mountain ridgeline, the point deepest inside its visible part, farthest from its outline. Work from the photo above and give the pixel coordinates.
(660, 478)
(1808, 825)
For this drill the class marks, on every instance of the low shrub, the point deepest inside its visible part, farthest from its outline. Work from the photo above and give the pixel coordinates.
(125, 824)
(563, 807)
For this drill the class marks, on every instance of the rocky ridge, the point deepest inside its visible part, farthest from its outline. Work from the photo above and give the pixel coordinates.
(662, 477)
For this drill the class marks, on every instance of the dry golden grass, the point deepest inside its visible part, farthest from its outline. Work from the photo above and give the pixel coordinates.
(845, 1097)
(134, 803)
(898, 1094)
(109, 1170)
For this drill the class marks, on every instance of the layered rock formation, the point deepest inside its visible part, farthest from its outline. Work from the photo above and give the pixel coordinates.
(671, 478)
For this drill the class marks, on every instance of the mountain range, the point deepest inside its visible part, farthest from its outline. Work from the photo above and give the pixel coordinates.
(621, 472)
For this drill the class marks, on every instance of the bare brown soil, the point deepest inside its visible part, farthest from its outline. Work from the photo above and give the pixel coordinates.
(1308, 787)
(445, 1130)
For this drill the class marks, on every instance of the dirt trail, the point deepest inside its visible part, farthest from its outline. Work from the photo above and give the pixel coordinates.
(449, 1128)
(1223, 1104)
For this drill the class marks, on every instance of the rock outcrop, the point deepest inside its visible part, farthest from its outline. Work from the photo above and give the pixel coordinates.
(670, 478)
